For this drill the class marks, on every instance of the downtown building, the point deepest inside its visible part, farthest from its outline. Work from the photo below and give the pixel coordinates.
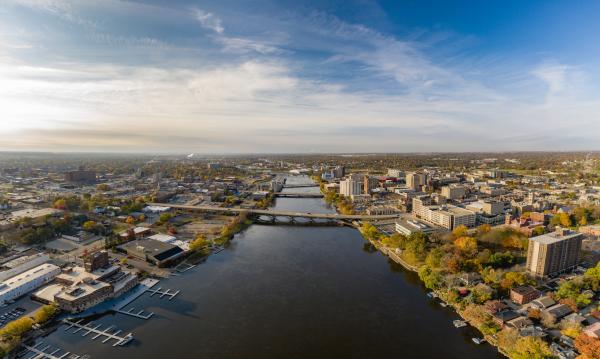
(445, 216)
(352, 185)
(416, 180)
(553, 253)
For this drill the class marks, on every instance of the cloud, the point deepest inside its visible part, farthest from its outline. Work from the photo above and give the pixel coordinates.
(288, 84)
(208, 20)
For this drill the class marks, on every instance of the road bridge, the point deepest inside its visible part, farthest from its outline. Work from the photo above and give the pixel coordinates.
(300, 185)
(278, 213)
(298, 195)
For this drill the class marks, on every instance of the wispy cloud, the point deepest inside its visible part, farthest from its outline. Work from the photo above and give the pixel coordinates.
(208, 20)
(182, 82)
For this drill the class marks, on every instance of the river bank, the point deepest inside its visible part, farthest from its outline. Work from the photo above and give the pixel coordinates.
(390, 253)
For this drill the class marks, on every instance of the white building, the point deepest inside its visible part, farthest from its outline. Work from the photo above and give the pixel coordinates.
(22, 264)
(446, 216)
(27, 281)
(352, 185)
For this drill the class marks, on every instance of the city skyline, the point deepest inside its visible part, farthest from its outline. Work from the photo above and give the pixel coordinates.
(266, 77)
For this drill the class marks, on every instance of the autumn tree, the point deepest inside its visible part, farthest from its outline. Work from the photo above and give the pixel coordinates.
(588, 347)
(460, 231)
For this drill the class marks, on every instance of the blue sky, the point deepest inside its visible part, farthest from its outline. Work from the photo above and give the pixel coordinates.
(299, 76)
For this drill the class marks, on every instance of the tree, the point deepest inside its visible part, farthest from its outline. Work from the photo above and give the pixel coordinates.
(561, 219)
(89, 226)
(588, 347)
(430, 277)
(483, 229)
(467, 245)
(481, 293)
(513, 279)
(60, 204)
(396, 240)
(165, 217)
(45, 313)
(592, 277)
(16, 328)
(460, 231)
(530, 348)
(434, 258)
(199, 243)
(130, 220)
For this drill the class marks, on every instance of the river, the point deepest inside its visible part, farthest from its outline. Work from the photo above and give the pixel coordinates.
(289, 292)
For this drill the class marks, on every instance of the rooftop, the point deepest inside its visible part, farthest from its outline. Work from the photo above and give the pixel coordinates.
(555, 237)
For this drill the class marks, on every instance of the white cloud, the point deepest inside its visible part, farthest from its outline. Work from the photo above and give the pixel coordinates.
(208, 20)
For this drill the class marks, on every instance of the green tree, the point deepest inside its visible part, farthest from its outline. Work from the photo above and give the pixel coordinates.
(45, 313)
(430, 277)
(199, 243)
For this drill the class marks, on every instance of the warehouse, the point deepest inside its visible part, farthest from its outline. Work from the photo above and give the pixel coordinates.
(25, 282)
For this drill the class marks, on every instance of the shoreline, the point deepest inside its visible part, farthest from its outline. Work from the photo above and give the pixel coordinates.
(397, 259)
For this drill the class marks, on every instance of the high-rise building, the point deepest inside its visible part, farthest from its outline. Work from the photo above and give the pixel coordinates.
(370, 183)
(339, 171)
(352, 185)
(415, 180)
(553, 253)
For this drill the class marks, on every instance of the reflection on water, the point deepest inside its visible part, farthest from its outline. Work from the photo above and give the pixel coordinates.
(290, 292)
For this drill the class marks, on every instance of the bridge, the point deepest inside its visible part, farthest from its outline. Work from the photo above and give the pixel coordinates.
(298, 195)
(276, 213)
(300, 185)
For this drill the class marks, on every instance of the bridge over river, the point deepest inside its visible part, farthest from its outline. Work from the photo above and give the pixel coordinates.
(278, 213)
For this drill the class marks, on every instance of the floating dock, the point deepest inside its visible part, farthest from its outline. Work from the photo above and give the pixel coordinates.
(162, 293)
(107, 333)
(39, 351)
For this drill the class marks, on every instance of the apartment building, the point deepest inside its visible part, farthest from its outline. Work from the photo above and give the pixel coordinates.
(553, 253)
(352, 185)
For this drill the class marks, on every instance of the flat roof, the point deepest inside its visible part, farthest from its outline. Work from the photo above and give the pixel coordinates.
(554, 237)
(27, 276)
(34, 213)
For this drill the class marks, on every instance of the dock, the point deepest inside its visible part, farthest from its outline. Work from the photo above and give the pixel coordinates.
(141, 314)
(162, 293)
(40, 351)
(107, 333)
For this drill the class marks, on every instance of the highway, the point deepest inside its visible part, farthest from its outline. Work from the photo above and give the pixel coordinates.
(268, 212)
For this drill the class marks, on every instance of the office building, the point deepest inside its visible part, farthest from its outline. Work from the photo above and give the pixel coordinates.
(453, 192)
(553, 253)
(369, 184)
(445, 216)
(416, 180)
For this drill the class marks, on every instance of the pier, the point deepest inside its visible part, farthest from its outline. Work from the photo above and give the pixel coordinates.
(141, 314)
(106, 333)
(40, 351)
(162, 293)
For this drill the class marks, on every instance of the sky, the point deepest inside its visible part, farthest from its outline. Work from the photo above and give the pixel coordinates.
(289, 76)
